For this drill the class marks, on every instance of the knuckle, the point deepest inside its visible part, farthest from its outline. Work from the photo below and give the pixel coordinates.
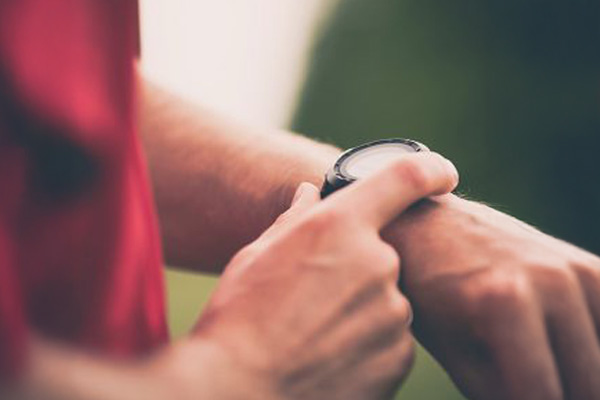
(398, 360)
(408, 354)
(387, 262)
(412, 172)
(374, 275)
(588, 272)
(379, 262)
(327, 218)
(399, 310)
(404, 357)
(384, 273)
(498, 293)
(389, 255)
(320, 221)
(557, 278)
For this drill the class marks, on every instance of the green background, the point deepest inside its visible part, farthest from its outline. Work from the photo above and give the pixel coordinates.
(507, 89)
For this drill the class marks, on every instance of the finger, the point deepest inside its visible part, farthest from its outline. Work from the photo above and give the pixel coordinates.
(589, 278)
(389, 315)
(381, 197)
(475, 380)
(305, 198)
(520, 350)
(573, 338)
(448, 335)
(388, 368)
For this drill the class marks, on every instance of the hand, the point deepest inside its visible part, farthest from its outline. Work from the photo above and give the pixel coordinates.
(311, 309)
(510, 312)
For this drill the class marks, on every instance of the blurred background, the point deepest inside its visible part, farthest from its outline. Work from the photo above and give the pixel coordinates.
(507, 89)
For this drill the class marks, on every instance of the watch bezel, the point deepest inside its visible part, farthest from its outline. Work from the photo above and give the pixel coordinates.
(336, 178)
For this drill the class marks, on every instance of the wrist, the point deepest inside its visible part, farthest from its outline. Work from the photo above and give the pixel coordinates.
(310, 169)
(200, 368)
(58, 372)
(414, 229)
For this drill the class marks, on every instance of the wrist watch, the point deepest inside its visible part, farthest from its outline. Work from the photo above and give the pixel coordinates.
(358, 162)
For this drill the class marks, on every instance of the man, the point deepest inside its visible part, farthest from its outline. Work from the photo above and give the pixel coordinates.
(310, 309)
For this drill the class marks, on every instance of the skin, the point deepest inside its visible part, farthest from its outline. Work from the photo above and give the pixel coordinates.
(506, 309)
(510, 312)
(270, 330)
(209, 171)
(313, 303)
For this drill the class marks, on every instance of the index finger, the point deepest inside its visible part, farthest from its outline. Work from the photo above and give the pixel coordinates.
(384, 195)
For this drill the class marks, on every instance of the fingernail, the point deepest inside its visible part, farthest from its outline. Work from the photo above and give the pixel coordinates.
(299, 192)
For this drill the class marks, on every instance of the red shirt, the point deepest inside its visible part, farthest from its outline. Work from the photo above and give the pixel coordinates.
(80, 254)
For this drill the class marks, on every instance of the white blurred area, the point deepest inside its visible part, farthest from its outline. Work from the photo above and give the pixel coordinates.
(246, 58)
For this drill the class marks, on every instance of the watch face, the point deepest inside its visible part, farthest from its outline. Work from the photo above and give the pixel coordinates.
(364, 160)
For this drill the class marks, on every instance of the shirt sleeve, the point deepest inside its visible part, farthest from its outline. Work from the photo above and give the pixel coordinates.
(12, 327)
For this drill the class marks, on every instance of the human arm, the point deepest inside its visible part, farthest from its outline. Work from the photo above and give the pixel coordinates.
(219, 184)
(270, 331)
(509, 312)
(192, 368)
(445, 244)
(57, 372)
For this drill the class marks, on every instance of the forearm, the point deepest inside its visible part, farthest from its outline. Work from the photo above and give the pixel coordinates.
(217, 184)
(188, 369)
(55, 373)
